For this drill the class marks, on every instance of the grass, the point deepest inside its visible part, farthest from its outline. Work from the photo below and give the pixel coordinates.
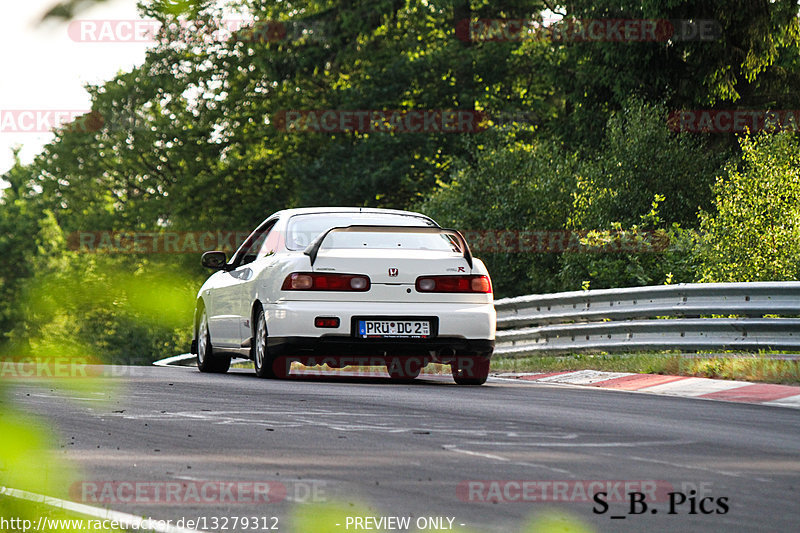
(764, 368)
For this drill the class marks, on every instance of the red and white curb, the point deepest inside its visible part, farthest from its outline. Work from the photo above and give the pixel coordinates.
(711, 389)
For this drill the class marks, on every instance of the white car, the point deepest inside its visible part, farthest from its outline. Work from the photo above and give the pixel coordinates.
(347, 286)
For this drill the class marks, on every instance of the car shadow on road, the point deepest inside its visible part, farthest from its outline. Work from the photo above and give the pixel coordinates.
(349, 378)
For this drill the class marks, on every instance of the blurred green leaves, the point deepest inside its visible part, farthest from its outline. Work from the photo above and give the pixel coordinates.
(115, 309)
(27, 457)
(28, 462)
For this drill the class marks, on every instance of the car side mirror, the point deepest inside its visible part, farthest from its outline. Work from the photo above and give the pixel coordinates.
(215, 259)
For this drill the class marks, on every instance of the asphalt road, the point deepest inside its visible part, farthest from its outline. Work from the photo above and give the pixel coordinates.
(427, 449)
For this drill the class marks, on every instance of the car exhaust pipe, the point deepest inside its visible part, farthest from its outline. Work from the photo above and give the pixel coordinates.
(443, 356)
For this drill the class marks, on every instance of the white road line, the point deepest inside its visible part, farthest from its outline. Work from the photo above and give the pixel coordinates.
(190, 478)
(127, 521)
(62, 397)
(601, 444)
(693, 467)
(454, 448)
(551, 468)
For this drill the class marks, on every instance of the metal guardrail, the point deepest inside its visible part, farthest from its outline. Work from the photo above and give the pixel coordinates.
(664, 317)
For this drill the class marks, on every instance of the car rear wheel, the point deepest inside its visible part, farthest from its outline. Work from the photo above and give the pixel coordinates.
(403, 370)
(470, 370)
(206, 361)
(266, 365)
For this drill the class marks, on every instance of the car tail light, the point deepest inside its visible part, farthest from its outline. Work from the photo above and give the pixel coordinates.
(326, 322)
(481, 284)
(312, 281)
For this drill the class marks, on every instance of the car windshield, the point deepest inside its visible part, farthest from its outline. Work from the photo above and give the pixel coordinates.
(303, 229)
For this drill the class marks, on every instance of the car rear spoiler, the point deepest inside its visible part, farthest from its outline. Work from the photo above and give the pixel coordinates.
(313, 248)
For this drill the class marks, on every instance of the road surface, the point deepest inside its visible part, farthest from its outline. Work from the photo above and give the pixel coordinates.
(430, 450)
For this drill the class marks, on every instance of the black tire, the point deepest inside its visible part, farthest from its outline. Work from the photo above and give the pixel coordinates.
(266, 365)
(470, 370)
(206, 360)
(403, 370)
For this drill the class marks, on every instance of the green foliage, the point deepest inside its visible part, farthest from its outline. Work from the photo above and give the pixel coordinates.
(639, 159)
(750, 65)
(514, 186)
(188, 141)
(645, 185)
(641, 254)
(121, 310)
(556, 522)
(28, 457)
(31, 243)
(753, 234)
(30, 464)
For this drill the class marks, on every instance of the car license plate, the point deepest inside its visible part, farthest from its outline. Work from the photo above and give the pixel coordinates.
(383, 329)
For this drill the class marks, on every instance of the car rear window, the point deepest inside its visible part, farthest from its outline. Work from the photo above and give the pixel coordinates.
(303, 229)
(391, 241)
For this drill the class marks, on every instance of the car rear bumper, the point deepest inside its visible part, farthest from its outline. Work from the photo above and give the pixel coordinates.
(453, 321)
(336, 346)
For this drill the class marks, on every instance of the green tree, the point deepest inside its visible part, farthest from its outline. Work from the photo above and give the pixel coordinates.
(638, 159)
(514, 187)
(643, 178)
(189, 140)
(751, 64)
(753, 234)
(31, 244)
